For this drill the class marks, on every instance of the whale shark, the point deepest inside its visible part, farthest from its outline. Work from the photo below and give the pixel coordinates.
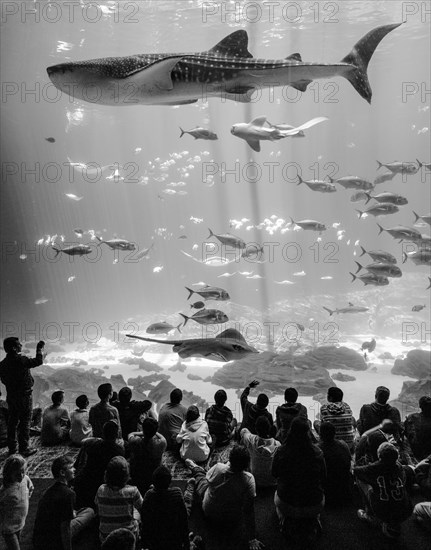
(227, 346)
(227, 70)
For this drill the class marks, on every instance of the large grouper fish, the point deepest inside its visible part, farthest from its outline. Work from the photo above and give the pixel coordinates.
(227, 346)
(228, 70)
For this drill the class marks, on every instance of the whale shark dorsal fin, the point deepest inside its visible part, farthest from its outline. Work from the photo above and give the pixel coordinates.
(295, 57)
(259, 121)
(233, 45)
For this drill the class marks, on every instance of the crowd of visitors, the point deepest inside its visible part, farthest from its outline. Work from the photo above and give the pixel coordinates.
(119, 481)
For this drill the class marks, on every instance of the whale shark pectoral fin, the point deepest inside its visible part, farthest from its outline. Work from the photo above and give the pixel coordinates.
(254, 144)
(159, 73)
(233, 45)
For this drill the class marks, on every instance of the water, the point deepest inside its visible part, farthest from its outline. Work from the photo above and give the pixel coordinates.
(152, 188)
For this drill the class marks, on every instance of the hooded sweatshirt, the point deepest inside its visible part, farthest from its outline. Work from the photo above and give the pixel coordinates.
(194, 438)
(262, 452)
(373, 414)
(340, 416)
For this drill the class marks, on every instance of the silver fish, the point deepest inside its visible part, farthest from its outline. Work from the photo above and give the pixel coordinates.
(387, 176)
(200, 133)
(358, 196)
(370, 279)
(228, 239)
(207, 317)
(317, 185)
(350, 309)
(393, 198)
(380, 209)
(379, 256)
(400, 167)
(227, 346)
(162, 328)
(381, 270)
(426, 218)
(210, 293)
(228, 70)
(401, 232)
(418, 257)
(117, 244)
(310, 225)
(74, 250)
(353, 182)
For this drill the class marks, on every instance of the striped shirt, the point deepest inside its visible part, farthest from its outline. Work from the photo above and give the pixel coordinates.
(115, 508)
(340, 415)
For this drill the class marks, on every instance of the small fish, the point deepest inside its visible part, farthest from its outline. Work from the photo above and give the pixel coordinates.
(74, 250)
(426, 217)
(317, 185)
(380, 209)
(157, 269)
(392, 198)
(301, 327)
(299, 274)
(381, 270)
(207, 317)
(285, 282)
(227, 346)
(210, 293)
(40, 301)
(253, 251)
(386, 176)
(370, 346)
(353, 182)
(199, 133)
(182, 237)
(228, 239)
(379, 256)
(401, 232)
(50, 139)
(350, 309)
(310, 225)
(197, 305)
(227, 274)
(426, 165)
(79, 232)
(71, 278)
(358, 196)
(73, 197)
(418, 308)
(418, 257)
(117, 244)
(397, 167)
(326, 278)
(370, 279)
(144, 253)
(254, 276)
(23, 257)
(162, 328)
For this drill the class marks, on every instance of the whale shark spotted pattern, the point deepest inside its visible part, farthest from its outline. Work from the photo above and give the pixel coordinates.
(228, 70)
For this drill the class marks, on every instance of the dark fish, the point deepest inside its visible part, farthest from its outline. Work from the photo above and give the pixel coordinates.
(358, 196)
(418, 308)
(380, 209)
(381, 270)
(50, 139)
(199, 133)
(197, 305)
(350, 309)
(75, 250)
(227, 346)
(380, 256)
(370, 346)
(162, 328)
(418, 257)
(310, 225)
(207, 317)
(210, 293)
(400, 167)
(182, 237)
(370, 279)
(393, 198)
(228, 70)
(117, 244)
(228, 239)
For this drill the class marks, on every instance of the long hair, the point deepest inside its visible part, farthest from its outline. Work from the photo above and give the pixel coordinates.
(12, 466)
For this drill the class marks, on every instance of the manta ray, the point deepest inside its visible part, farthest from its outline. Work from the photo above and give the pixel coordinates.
(227, 70)
(227, 346)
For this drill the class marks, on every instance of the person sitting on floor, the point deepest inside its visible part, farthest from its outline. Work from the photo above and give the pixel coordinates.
(366, 451)
(119, 539)
(116, 500)
(103, 412)
(385, 487)
(220, 420)
(262, 448)
(338, 484)
(14, 500)
(340, 415)
(80, 427)
(92, 460)
(300, 470)
(146, 449)
(422, 514)
(194, 437)
(164, 516)
(423, 476)
(57, 523)
(171, 418)
(373, 414)
(55, 421)
(227, 492)
(417, 428)
(130, 411)
(251, 412)
(285, 413)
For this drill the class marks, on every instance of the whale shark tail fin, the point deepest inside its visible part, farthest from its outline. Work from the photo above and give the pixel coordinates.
(360, 56)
